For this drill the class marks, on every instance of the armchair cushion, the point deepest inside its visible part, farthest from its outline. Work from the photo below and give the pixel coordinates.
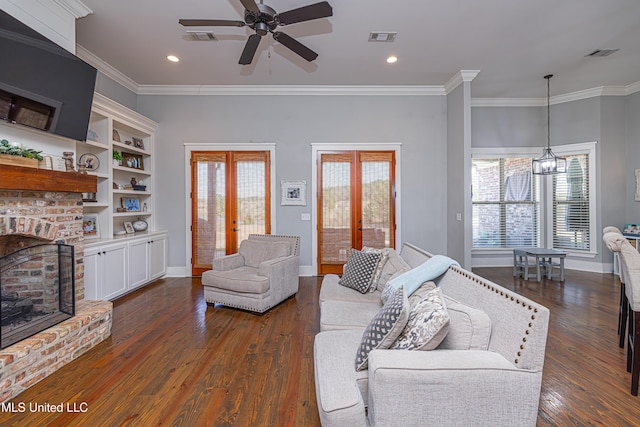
(243, 280)
(256, 251)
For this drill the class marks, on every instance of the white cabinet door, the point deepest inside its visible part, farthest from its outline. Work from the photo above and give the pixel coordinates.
(91, 274)
(157, 257)
(113, 271)
(138, 263)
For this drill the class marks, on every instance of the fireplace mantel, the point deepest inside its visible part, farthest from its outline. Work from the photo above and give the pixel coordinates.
(21, 178)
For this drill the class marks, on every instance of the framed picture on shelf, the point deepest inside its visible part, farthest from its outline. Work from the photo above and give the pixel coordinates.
(131, 204)
(90, 161)
(294, 193)
(90, 226)
(133, 161)
(128, 227)
(138, 143)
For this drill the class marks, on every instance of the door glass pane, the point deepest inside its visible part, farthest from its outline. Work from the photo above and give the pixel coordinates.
(251, 203)
(209, 234)
(335, 231)
(376, 205)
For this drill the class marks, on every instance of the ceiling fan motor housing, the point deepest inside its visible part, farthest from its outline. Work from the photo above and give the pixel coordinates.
(263, 22)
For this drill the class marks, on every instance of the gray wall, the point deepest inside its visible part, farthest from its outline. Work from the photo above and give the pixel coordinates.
(293, 123)
(115, 91)
(457, 152)
(632, 156)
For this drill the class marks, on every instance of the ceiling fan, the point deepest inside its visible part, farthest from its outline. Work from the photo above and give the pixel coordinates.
(263, 19)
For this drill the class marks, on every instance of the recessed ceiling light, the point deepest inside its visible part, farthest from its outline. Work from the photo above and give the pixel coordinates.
(173, 58)
(392, 59)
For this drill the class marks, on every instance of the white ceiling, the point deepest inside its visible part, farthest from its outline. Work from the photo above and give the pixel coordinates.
(513, 43)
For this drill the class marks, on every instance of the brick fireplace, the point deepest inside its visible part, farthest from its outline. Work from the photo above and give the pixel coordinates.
(36, 207)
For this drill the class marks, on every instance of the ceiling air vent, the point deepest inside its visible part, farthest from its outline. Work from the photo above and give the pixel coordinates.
(601, 52)
(201, 36)
(382, 36)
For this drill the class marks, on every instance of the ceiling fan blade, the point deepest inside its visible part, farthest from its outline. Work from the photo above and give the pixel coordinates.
(210, 23)
(249, 49)
(306, 13)
(295, 46)
(250, 5)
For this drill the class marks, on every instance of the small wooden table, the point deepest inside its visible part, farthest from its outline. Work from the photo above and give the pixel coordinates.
(544, 260)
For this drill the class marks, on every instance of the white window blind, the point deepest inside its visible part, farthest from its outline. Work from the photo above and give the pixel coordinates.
(505, 203)
(571, 216)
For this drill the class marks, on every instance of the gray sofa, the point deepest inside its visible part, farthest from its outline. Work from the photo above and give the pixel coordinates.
(498, 385)
(261, 275)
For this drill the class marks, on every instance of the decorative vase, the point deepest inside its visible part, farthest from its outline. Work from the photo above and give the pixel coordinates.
(133, 181)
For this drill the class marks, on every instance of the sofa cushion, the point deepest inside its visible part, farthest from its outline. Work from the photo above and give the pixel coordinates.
(332, 291)
(341, 391)
(427, 325)
(412, 279)
(394, 266)
(347, 314)
(384, 328)
(243, 280)
(469, 328)
(256, 251)
(359, 271)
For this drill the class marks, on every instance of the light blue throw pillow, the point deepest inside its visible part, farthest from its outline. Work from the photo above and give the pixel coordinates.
(412, 279)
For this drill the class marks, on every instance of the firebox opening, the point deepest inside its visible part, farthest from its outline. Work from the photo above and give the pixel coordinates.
(37, 290)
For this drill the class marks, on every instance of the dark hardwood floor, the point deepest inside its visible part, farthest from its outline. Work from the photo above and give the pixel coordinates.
(173, 361)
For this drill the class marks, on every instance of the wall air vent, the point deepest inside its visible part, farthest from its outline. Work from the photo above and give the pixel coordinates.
(602, 52)
(201, 36)
(382, 36)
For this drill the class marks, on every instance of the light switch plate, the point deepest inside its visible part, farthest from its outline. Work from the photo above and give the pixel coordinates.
(305, 217)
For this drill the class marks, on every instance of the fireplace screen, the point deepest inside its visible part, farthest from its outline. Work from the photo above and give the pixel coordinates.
(37, 285)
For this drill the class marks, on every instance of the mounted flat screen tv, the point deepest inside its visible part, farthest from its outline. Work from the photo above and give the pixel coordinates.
(42, 85)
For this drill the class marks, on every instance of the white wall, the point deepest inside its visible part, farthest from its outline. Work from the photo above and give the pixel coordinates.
(293, 123)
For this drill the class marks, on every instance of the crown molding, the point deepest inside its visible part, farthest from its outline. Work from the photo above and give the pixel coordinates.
(558, 99)
(107, 69)
(289, 90)
(459, 78)
(400, 90)
(76, 8)
(121, 113)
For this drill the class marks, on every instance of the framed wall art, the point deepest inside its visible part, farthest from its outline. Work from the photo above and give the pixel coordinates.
(294, 193)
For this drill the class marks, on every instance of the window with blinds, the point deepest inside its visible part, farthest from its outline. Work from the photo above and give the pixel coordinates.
(571, 216)
(505, 203)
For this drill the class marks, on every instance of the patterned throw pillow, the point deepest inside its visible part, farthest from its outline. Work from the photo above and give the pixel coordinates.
(359, 271)
(384, 327)
(428, 323)
(384, 256)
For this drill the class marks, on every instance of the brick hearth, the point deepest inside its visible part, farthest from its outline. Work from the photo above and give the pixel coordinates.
(30, 217)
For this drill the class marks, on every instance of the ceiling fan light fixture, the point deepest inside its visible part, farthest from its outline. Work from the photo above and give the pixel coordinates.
(548, 163)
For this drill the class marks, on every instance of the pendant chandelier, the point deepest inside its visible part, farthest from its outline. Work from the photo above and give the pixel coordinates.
(548, 163)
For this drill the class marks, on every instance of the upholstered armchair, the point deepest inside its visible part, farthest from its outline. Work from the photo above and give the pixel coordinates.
(261, 275)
